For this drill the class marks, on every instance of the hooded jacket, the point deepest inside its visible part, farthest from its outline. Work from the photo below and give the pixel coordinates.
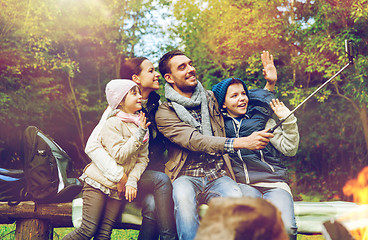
(123, 142)
(252, 166)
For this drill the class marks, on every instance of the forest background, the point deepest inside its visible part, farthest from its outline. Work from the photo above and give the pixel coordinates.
(57, 55)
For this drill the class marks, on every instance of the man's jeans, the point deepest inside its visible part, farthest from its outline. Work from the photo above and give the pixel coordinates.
(281, 199)
(189, 192)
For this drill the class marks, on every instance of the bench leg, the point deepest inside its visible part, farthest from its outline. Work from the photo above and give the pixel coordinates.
(33, 229)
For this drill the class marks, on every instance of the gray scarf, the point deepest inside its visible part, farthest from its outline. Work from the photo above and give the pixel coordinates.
(180, 103)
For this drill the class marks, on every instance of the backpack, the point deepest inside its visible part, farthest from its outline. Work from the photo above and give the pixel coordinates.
(12, 186)
(43, 178)
(45, 164)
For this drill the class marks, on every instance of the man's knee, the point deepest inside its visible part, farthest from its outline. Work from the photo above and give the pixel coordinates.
(224, 187)
(184, 194)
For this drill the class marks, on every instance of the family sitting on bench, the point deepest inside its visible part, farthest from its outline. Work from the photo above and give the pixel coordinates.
(217, 143)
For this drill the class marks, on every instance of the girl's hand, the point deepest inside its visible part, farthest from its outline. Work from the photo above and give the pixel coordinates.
(279, 108)
(130, 193)
(121, 185)
(143, 121)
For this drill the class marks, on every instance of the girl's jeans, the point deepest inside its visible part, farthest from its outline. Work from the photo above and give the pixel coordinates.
(98, 217)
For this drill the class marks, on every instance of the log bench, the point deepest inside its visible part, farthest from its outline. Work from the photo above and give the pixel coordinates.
(36, 221)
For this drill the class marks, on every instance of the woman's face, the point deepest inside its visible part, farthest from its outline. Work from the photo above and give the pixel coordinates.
(148, 77)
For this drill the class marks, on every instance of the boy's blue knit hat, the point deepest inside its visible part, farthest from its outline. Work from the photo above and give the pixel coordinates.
(220, 89)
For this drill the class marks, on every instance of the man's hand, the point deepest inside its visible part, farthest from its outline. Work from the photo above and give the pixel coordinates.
(269, 70)
(121, 185)
(255, 141)
(130, 193)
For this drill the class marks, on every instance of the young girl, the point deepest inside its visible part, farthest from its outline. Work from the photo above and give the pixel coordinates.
(260, 173)
(155, 189)
(125, 138)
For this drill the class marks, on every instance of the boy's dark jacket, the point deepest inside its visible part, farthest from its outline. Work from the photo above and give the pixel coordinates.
(260, 165)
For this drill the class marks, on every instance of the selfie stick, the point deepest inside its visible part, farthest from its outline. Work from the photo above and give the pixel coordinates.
(349, 52)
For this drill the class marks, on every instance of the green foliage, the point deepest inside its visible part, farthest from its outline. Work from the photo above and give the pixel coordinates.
(225, 38)
(56, 57)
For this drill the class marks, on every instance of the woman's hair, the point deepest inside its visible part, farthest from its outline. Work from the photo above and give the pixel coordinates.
(131, 66)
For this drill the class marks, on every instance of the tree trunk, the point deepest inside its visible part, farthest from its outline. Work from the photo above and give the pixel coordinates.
(78, 118)
(363, 114)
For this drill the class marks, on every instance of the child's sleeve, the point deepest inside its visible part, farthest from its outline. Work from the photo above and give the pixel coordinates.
(286, 137)
(119, 147)
(97, 153)
(139, 167)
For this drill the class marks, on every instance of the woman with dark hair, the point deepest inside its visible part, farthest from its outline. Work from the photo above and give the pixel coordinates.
(154, 186)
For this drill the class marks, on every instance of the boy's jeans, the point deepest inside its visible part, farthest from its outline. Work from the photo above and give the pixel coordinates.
(281, 199)
(189, 192)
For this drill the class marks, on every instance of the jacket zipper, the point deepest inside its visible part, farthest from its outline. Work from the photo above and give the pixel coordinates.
(263, 160)
(246, 174)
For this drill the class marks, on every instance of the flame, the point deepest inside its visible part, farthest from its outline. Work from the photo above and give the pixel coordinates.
(358, 187)
(357, 221)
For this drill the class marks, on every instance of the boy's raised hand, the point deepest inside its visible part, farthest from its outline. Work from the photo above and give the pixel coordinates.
(143, 123)
(269, 70)
(279, 108)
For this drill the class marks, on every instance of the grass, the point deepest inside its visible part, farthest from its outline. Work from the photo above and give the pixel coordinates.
(310, 237)
(7, 232)
(124, 234)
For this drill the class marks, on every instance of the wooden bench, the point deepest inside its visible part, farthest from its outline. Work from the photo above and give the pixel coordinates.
(36, 221)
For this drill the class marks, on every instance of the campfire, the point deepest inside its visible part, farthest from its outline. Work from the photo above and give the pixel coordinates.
(356, 222)
(352, 225)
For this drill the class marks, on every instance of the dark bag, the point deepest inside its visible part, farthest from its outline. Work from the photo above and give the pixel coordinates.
(45, 165)
(12, 186)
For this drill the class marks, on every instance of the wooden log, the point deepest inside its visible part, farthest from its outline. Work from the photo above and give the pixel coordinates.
(33, 229)
(58, 214)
